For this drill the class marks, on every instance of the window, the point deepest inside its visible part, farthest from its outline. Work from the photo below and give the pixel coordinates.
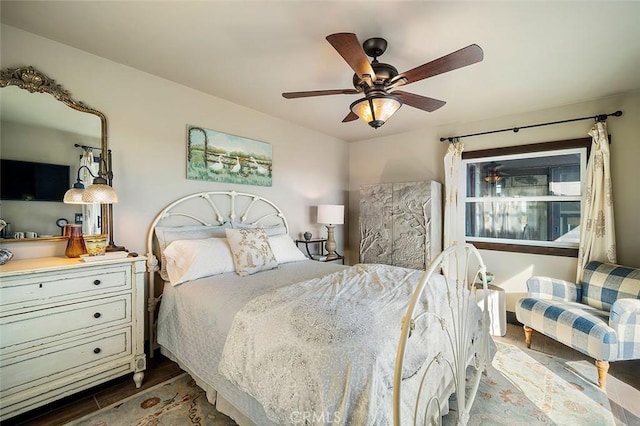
(526, 199)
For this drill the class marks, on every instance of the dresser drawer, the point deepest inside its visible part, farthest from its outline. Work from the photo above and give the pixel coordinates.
(39, 288)
(42, 326)
(56, 362)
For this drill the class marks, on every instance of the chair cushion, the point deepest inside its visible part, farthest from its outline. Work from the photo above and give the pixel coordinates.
(603, 284)
(581, 327)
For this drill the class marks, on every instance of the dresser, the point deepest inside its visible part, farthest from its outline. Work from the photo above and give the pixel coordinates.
(67, 325)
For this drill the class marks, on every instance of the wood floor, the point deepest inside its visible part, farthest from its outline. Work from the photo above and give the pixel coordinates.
(623, 386)
(159, 369)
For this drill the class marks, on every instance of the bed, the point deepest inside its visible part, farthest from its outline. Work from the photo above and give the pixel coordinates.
(276, 338)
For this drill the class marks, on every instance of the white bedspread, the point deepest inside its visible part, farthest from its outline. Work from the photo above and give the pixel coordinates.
(195, 317)
(323, 351)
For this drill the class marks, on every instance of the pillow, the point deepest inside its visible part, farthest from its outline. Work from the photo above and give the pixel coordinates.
(270, 230)
(192, 259)
(250, 250)
(285, 250)
(167, 234)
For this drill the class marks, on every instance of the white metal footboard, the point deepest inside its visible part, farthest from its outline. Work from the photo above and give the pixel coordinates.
(461, 266)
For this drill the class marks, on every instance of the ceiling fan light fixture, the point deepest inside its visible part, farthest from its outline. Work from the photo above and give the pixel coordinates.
(375, 110)
(493, 178)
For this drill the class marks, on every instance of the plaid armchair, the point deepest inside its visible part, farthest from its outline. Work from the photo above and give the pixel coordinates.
(599, 317)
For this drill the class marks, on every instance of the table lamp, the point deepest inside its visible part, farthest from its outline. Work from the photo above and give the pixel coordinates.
(330, 215)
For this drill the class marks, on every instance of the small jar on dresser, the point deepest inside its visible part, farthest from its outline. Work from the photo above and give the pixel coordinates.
(67, 325)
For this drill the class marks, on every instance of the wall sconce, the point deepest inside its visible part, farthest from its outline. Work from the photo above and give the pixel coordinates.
(330, 215)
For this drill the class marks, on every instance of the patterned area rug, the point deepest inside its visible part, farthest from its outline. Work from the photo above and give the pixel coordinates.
(524, 387)
(176, 402)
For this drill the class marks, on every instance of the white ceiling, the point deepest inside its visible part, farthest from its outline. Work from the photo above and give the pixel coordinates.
(537, 55)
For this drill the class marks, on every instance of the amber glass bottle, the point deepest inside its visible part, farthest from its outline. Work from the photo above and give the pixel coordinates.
(75, 245)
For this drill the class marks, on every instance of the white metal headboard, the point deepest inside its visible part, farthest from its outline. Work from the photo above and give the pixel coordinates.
(206, 209)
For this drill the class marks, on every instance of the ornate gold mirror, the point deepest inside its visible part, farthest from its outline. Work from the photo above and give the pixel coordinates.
(45, 134)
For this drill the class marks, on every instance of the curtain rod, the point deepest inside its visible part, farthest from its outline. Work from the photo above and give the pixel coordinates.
(598, 118)
(77, 145)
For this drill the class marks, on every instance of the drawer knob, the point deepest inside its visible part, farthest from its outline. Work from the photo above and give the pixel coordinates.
(97, 315)
(96, 351)
(96, 282)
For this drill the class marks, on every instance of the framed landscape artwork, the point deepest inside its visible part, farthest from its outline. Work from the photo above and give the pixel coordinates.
(220, 157)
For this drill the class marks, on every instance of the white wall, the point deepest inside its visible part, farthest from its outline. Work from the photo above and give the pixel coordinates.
(147, 119)
(419, 155)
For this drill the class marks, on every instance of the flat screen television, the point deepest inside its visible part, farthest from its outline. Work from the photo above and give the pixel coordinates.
(29, 181)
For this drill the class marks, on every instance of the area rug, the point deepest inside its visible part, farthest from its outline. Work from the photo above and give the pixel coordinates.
(176, 402)
(523, 387)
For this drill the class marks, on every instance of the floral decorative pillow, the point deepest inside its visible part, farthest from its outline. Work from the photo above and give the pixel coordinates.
(250, 250)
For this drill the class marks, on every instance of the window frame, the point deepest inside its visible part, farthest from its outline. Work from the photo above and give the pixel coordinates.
(547, 148)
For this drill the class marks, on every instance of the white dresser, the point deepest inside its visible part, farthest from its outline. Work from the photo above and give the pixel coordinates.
(67, 325)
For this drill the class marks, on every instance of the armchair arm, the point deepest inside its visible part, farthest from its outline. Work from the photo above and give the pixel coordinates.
(553, 289)
(625, 320)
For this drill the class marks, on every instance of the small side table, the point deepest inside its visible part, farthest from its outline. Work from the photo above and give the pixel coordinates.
(321, 254)
(497, 307)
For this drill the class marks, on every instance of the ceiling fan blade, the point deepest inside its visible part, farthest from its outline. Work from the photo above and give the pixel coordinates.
(350, 117)
(349, 48)
(293, 95)
(418, 101)
(458, 59)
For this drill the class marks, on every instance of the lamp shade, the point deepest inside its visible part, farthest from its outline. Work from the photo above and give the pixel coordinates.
(73, 196)
(331, 214)
(100, 193)
(377, 109)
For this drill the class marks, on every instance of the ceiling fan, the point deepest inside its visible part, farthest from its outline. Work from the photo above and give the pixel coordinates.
(375, 79)
(493, 172)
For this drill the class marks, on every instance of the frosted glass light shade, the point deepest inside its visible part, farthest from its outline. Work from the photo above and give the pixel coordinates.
(331, 214)
(376, 110)
(73, 196)
(99, 193)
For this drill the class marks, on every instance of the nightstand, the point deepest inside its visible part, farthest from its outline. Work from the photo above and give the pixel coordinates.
(497, 307)
(320, 256)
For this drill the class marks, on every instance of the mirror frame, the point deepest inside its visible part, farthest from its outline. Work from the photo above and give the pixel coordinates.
(34, 81)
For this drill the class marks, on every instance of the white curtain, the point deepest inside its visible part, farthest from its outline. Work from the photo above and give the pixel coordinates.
(597, 231)
(454, 188)
(90, 212)
(454, 191)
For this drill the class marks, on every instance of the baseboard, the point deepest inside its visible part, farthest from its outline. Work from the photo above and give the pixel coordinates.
(511, 319)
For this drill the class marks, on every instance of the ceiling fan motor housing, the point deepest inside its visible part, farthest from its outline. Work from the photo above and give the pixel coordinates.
(384, 73)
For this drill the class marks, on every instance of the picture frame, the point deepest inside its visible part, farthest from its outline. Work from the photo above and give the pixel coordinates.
(221, 157)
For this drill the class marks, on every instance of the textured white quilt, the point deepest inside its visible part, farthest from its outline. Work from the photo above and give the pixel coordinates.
(323, 351)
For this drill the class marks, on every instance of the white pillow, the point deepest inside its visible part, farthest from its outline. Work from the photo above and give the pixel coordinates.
(250, 250)
(284, 249)
(270, 229)
(188, 260)
(167, 234)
